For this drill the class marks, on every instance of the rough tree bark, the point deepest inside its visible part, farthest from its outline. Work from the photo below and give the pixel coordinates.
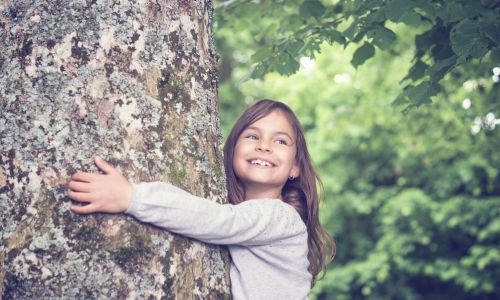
(134, 82)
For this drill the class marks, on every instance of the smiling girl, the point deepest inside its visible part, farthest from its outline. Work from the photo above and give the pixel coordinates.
(271, 224)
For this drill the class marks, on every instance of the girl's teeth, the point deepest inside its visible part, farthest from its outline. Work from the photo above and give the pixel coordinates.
(260, 162)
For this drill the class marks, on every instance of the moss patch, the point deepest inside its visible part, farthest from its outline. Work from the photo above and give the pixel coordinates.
(177, 176)
(136, 252)
(125, 255)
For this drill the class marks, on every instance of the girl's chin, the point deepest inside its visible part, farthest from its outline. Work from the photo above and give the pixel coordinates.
(261, 181)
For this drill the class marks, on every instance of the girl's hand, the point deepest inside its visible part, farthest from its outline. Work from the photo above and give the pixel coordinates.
(109, 192)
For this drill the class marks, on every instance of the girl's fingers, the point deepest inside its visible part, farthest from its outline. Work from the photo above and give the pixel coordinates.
(81, 176)
(86, 209)
(104, 166)
(79, 186)
(81, 197)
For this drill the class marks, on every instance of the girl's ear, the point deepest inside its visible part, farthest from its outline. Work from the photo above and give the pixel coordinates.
(295, 172)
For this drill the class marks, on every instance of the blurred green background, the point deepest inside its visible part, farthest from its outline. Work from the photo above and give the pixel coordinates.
(412, 193)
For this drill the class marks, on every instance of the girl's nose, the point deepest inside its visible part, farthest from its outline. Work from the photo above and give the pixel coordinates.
(263, 146)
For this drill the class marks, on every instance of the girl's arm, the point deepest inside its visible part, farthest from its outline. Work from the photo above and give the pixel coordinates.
(253, 222)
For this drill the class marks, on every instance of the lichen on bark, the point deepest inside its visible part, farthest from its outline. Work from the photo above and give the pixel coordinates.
(134, 82)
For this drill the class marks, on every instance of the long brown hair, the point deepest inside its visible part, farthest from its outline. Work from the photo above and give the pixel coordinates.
(300, 192)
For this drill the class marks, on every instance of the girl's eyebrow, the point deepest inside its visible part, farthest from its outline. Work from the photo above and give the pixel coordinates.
(274, 132)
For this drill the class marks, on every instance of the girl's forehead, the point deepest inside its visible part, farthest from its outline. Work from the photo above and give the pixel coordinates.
(274, 121)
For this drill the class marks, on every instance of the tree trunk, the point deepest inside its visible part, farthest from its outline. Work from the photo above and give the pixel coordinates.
(135, 83)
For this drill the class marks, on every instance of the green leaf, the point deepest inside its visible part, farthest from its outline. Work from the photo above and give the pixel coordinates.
(304, 32)
(396, 9)
(311, 8)
(285, 64)
(427, 7)
(491, 31)
(256, 71)
(441, 67)
(359, 36)
(441, 51)
(312, 46)
(351, 31)
(424, 40)
(293, 46)
(377, 16)
(382, 37)
(262, 53)
(374, 4)
(475, 9)
(451, 12)
(362, 54)
(334, 35)
(495, 55)
(400, 100)
(417, 71)
(422, 93)
(466, 40)
(411, 19)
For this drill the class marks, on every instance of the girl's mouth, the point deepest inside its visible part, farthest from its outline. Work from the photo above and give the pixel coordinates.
(261, 162)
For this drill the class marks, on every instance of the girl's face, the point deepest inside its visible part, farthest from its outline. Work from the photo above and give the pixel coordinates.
(264, 155)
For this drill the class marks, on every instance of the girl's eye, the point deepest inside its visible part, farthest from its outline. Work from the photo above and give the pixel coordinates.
(281, 142)
(252, 137)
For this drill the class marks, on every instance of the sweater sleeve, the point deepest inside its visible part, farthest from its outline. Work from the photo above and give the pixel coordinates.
(253, 222)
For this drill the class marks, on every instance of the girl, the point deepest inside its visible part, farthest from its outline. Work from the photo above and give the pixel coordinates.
(271, 225)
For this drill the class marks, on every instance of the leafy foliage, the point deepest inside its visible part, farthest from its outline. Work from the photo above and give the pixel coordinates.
(449, 35)
(413, 200)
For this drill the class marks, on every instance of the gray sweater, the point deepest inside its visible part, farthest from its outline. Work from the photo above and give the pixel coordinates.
(266, 237)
